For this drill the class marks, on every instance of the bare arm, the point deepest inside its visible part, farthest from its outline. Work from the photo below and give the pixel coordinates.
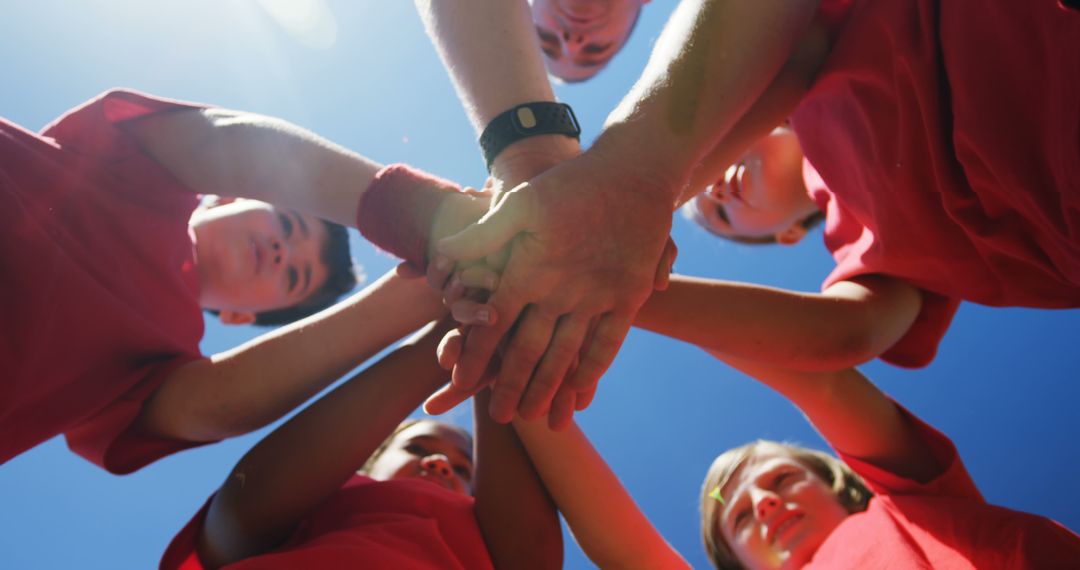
(300, 464)
(230, 153)
(713, 63)
(606, 522)
(245, 388)
(516, 515)
(852, 414)
(849, 323)
(769, 110)
(493, 75)
(579, 277)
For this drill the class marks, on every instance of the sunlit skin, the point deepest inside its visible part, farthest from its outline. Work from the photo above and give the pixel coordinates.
(579, 37)
(762, 194)
(253, 257)
(432, 451)
(777, 512)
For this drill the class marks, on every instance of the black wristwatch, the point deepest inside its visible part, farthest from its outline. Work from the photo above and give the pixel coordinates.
(524, 121)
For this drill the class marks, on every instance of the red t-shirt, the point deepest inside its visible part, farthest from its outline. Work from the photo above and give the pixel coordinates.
(99, 294)
(948, 138)
(943, 523)
(405, 524)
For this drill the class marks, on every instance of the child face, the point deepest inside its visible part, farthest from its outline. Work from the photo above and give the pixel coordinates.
(579, 37)
(431, 451)
(777, 511)
(763, 193)
(253, 257)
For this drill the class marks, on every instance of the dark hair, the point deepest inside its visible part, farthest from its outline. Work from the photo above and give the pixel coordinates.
(340, 279)
(690, 210)
(375, 455)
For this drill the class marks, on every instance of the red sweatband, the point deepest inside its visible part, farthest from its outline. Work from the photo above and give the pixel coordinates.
(398, 209)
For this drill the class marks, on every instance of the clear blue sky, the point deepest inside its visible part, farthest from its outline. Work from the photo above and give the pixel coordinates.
(1003, 387)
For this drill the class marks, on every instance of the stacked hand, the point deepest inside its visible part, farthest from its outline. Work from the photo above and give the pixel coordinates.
(584, 244)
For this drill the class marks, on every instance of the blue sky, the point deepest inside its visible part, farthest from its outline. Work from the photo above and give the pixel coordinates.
(366, 76)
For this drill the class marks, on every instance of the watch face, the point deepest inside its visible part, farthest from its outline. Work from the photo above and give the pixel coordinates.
(525, 118)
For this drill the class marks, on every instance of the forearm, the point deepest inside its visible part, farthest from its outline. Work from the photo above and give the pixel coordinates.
(493, 75)
(232, 153)
(711, 64)
(516, 515)
(851, 413)
(245, 388)
(848, 325)
(768, 111)
(603, 517)
(301, 463)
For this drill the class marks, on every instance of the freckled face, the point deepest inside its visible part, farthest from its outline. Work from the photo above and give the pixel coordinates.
(432, 451)
(579, 37)
(254, 257)
(777, 512)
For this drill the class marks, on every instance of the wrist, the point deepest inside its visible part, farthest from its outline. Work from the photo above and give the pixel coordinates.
(397, 211)
(662, 173)
(526, 121)
(529, 157)
(455, 213)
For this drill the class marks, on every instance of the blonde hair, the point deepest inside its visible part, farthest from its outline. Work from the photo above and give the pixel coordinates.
(848, 487)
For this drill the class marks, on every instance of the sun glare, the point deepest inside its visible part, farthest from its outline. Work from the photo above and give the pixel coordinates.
(308, 21)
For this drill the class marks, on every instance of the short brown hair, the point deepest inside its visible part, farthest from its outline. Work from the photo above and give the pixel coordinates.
(848, 487)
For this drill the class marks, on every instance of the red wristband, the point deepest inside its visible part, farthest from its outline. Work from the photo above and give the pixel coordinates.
(398, 209)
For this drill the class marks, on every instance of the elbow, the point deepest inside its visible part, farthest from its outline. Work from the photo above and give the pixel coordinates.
(864, 333)
(849, 348)
(196, 423)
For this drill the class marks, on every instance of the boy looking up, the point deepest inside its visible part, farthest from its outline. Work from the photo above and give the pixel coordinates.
(108, 260)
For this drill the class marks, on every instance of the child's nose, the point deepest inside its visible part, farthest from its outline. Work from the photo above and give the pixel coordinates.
(282, 252)
(437, 463)
(767, 503)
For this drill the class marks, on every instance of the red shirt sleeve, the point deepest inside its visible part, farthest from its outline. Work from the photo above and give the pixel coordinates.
(112, 437)
(116, 441)
(952, 481)
(857, 251)
(181, 553)
(93, 127)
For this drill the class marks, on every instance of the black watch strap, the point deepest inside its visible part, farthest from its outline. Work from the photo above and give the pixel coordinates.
(524, 121)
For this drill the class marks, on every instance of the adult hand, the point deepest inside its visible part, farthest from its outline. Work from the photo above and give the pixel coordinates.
(466, 310)
(592, 234)
(520, 162)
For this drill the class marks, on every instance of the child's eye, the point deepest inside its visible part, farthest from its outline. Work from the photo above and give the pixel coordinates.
(722, 214)
(740, 519)
(294, 278)
(286, 224)
(416, 449)
(781, 478)
(463, 471)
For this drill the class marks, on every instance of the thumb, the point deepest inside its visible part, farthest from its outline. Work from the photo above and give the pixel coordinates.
(447, 398)
(490, 233)
(666, 265)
